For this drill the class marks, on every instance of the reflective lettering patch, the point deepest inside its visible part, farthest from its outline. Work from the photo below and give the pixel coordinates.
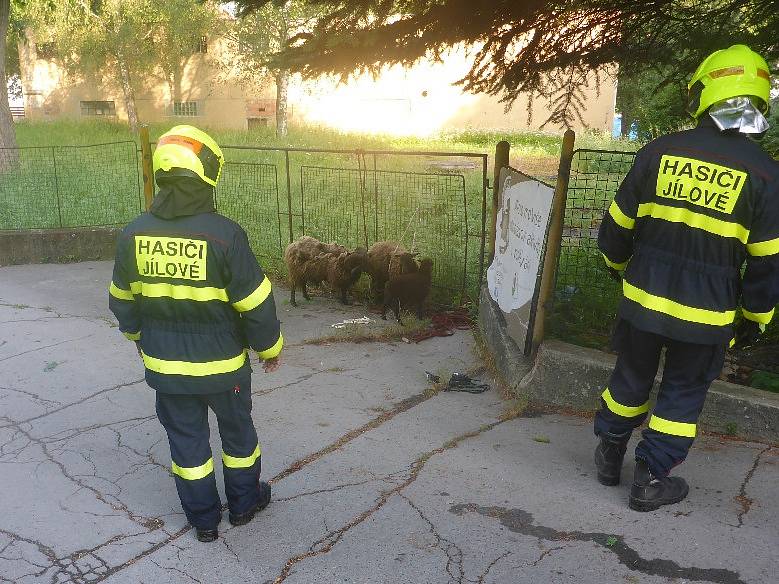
(171, 257)
(701, 183)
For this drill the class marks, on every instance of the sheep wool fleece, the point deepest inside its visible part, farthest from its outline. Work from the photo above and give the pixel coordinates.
(190, 292)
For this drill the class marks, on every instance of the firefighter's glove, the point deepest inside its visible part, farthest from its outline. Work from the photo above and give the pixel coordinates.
(614, 274)
(747, 333)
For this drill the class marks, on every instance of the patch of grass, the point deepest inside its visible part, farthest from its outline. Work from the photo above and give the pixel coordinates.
(765, 380)
(515, 408)
(374, 332)
(435, 387)
(488, 359)
(50, 366)
(541, 439)
(731, 429)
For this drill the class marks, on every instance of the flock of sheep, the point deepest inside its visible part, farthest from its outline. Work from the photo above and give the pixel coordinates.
(396, 276)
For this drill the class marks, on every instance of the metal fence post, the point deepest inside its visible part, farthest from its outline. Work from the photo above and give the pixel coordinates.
(289, 196)
(502, 153)
(146, 165)
(57, 185)
(554, 238)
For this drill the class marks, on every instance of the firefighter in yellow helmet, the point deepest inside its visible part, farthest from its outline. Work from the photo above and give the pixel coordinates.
(188, 290)
(695, 208)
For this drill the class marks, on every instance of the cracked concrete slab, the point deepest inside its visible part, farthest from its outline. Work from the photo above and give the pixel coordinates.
(376, 479)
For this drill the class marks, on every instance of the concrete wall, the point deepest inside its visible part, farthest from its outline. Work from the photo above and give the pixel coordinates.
(573, 377)
(44, 246)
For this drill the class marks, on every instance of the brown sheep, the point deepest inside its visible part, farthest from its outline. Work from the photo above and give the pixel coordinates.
(298, 256)
(345, 269)
(408, 290)
(386, 259)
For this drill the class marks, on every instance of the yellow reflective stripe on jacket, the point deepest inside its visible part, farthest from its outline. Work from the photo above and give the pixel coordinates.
(193, 369)
(254, 299)
(133, 336)
(193, 473)
(620, 410)
(673, 428)
(614, 265)
(119, 293)
(619, 217)
(764, 248)
(178, 291)
(273, 351)
(675, 309)
(241, 461)
(760, 317)
(695, 220)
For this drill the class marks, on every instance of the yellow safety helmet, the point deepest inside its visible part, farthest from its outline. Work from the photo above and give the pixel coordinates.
(187, 151)
(732, 72)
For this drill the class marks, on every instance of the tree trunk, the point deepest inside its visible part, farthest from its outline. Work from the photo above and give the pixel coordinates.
(627, 121)
(282, 77)
(7, 130)
(282, 84)
(129, 93)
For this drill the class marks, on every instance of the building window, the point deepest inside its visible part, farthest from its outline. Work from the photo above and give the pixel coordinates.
(45, 51)
(185, 108)
(202, 45)
(257, 123)
(98, 108)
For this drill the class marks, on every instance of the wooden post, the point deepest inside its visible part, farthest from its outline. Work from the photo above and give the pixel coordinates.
(502, 152)
(146, 164)
(554, 238)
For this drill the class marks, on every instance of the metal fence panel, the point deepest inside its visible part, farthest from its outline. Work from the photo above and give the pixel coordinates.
(69, 186)
(586, 298)
(28, 189)
(97, 185)
(249, 194)
(595, 178)
(424, 211)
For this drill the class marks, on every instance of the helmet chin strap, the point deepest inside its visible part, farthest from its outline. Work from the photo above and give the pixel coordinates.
(740, 114)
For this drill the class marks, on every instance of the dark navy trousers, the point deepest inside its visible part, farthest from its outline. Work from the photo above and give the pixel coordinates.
(689, 371)
(185, 418)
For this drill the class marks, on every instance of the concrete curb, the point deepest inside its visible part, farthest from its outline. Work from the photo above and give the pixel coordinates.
(44, 246)
(573, 377)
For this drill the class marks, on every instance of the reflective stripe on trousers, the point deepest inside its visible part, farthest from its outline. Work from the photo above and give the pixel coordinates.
(688, 373)
(185, 418)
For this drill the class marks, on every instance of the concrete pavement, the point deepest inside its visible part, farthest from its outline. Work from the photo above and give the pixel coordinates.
(376, 479)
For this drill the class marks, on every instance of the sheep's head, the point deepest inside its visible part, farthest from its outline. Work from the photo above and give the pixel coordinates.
(406, 260)
(356, 262)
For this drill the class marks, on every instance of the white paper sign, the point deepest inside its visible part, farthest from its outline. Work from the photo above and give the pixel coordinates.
(519, 242)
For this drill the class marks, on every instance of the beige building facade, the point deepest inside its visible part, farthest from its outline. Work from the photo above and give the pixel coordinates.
(420, 100)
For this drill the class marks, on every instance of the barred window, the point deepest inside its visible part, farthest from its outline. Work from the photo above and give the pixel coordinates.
(98, 108)
(185, 108)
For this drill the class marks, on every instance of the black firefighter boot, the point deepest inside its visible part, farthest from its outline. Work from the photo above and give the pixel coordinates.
(609, 455)
(244, 518)
(649, 492)
(207, 535)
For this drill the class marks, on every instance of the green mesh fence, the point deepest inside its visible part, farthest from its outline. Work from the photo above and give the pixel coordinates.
(69, 186)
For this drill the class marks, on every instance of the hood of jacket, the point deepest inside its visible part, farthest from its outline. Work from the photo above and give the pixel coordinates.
(181, 196)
